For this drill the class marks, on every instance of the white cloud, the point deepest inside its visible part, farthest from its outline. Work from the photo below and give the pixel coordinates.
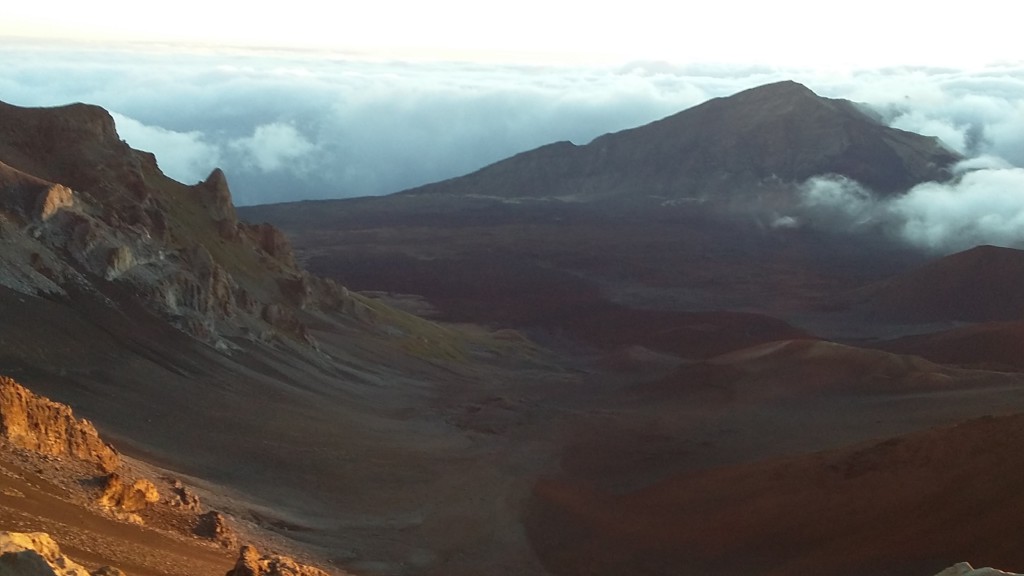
(952, 135)
(374, 127)
(184, 156)
(973, 111)
(785, 223)
(835, 203)
(294, 125)
(983, 162)
(839, 192)
(984, 204)
(274, 146)
(981, 207)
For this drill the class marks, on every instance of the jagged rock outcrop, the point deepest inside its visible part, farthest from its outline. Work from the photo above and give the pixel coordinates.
(272, 241)
(122, 495)
(965, 569)
(184, 499)
(213, 526)
(217, 197)
(21, 193)
(36, 423)
(51, 200)
(82, 212)
(251, 563)
(36, 554)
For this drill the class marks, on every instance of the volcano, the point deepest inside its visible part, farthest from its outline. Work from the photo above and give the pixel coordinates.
(764, 137)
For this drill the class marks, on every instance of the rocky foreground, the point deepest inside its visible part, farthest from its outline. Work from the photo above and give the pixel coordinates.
(95, 480)
(36, 554)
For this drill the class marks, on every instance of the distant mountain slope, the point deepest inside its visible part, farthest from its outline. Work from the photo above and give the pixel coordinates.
(623, 226)
(778, 133)
(992, 345)
(983, 284)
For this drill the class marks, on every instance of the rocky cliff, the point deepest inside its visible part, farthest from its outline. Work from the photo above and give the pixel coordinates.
(81, 211)
(35, 423)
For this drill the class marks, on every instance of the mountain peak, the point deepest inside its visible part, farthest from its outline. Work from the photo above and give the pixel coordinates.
(777, 99)
(218, 196)
(777, 135)
(788, 88)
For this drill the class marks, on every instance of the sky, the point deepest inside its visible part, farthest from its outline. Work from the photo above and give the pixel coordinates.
(799, 32)
(298, 101)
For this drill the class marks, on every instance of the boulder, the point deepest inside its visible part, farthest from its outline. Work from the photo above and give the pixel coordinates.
(183, 498)
(119, 494)
(251, 563)
(213, 526)
(36, 554)
(965, 569)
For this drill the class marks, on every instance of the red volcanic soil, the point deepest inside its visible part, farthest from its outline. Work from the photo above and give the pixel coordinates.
(909, 505)
(514, 290)
(687, 334)
(808, 369)
(978, 285)
(992, 345)
(46, 494)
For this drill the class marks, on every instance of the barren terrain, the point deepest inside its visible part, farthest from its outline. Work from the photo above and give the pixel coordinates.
(670, 389)
(597, 359)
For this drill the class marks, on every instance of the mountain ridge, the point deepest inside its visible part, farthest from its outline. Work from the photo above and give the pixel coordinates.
(781, 133)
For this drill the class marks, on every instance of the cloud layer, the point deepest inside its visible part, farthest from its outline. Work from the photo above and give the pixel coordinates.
(298, 125)
(980, 207)
(289, 126)
(983, 204)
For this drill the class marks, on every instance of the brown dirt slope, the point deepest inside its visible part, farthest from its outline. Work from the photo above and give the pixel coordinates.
(31, 503)
(990, 345)
(983, 284)
(908, 505)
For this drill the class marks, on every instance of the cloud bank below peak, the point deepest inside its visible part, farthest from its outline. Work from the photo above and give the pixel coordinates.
(302, 125)
(982, 204)
(289, 126)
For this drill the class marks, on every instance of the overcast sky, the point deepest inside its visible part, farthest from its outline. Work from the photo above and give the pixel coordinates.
(372, 98)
